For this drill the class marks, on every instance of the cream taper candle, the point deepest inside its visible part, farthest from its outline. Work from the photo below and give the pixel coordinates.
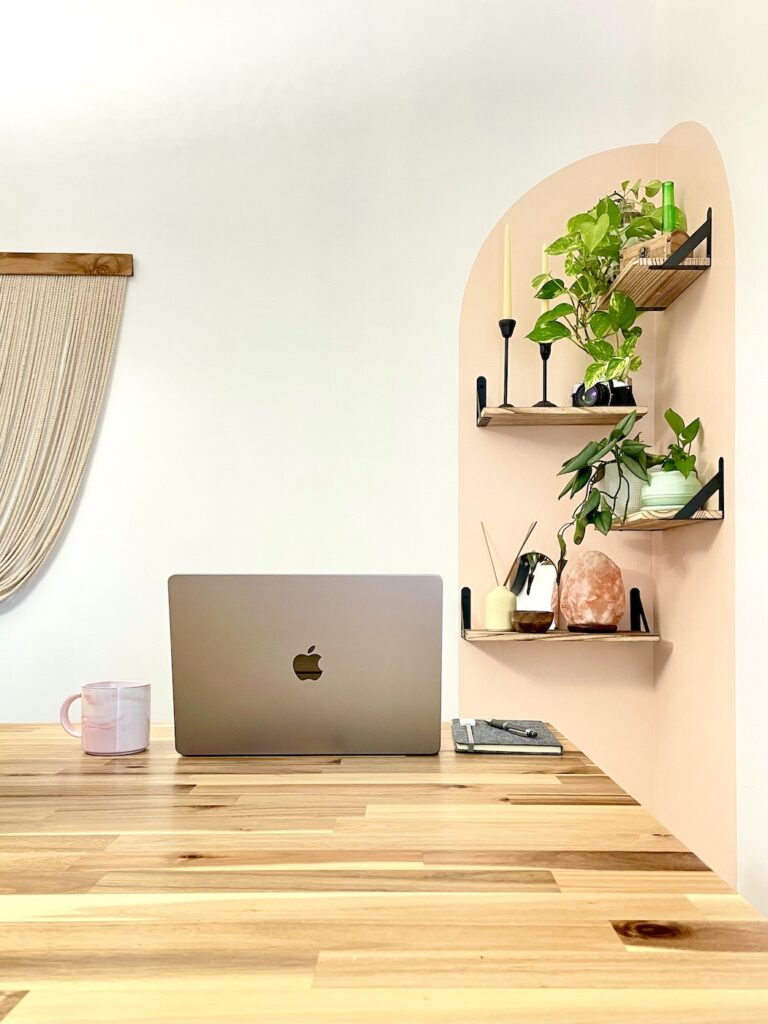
(544, 270)
(506, 305)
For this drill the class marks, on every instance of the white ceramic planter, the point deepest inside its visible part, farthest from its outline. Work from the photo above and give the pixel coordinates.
(669, 490)
(628, 498)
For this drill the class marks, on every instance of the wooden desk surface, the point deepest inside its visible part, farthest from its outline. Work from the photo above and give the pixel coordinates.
(350, 890)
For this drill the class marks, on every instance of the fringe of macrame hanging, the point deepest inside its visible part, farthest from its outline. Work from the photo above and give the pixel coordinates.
(57, 340)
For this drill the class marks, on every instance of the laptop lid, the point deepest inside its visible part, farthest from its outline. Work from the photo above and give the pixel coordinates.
(306, 664)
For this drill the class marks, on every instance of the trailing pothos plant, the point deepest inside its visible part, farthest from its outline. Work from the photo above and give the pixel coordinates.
(597, 506)
(591, 248)
(587, 469)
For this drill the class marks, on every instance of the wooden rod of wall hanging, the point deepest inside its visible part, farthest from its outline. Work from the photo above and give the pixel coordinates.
(81, 264)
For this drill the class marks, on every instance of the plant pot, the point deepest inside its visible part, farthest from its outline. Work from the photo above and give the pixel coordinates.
(628, 498)
(669, 491)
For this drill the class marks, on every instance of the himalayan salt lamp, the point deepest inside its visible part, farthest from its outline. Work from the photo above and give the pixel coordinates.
(592, 598)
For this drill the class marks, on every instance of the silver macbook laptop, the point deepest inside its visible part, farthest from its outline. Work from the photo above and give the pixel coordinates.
(306, 664)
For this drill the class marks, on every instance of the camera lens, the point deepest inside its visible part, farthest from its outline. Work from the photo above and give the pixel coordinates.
(598, 394)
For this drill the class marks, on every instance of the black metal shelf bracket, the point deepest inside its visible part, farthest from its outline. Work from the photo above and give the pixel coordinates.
(714, 486)
(481, 398)
(638, 623)
(466, 610)
(701, 234)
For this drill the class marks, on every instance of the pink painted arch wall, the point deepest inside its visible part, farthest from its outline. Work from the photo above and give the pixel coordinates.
(658, 718)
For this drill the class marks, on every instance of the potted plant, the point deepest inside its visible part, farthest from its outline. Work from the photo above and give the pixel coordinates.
(673, 479)
(601, 503)
(591, 247)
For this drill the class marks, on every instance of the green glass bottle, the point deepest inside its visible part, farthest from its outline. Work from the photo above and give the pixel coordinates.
(668, 206)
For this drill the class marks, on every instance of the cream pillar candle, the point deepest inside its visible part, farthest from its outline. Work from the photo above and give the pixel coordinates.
(500, 603)
(506, 305)
(544, 270)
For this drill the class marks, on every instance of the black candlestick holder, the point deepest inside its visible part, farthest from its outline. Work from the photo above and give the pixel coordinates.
(545, 351)
(506, 326)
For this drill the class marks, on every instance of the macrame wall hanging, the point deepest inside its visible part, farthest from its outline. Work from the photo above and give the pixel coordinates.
(59, 317)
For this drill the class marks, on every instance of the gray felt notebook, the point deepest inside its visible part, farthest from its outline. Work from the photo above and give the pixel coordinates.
(481, 738)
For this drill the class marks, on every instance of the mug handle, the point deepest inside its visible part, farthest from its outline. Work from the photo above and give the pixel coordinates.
(64, 715)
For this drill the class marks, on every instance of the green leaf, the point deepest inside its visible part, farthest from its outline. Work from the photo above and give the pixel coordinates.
(633, 448)
(676, 422)
(627, 348)
(579, 530)
(603, 521)
(686, 465)
(561, 309)
(591, 504)
(610, 209)
(567, 488)
(580, 481)
(624, 185)
(594, 373)
(624, 425)
(563, 244)
(599, 350)
(635, 364)
(635, 468)
(616, 369)
(575, 222)
(593, 234)
(602, 323)
(536, 281)
(688, 434)
(653, 187)
(581, 460)
(641, 227)
(576, 483)
(608, 445)
(550, 330)
(551, 289)
(563, 549)
(623, 309)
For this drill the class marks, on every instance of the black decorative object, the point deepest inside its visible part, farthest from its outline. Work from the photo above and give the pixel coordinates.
(506, 326)
(637, 619)
(545, 351)
(611, 392)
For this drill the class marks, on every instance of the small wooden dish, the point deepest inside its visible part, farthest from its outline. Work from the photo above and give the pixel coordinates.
(532, 622)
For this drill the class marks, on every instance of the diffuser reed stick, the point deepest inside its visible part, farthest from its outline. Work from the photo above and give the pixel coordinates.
(490, 556)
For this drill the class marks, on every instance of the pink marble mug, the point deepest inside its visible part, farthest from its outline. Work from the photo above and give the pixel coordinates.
(114, 718)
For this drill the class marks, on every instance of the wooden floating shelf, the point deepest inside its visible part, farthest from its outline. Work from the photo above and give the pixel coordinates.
(652, 287)
(72, 264)
(561, 416)
(558, 636)
(654, 282)
(647, 520)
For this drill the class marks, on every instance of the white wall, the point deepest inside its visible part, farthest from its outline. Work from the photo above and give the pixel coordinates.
(712, 68)
(305, 185)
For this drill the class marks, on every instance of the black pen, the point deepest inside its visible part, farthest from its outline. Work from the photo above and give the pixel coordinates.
(497, 723)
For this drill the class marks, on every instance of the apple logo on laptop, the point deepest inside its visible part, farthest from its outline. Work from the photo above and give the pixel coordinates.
(307, 666)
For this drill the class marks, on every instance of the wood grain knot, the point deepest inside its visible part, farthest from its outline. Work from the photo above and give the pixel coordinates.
(651, 931)
(106, 264)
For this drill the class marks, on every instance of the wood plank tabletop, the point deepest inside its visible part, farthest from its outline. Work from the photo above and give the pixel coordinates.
(343, 890)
